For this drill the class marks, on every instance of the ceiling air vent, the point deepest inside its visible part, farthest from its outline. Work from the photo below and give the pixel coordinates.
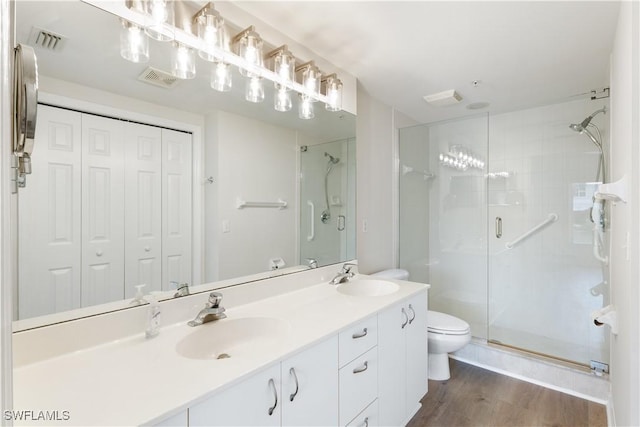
(46, 39)
(158, 78)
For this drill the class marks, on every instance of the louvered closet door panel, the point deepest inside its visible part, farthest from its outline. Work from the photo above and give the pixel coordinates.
(176, 207)
(143, 204)
(102, 210)
(49, 242)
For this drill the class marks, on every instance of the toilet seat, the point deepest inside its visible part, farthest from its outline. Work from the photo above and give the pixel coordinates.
(444, 324)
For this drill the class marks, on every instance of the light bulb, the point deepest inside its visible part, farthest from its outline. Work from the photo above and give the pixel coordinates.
(305, 108)
(284, 65)
(134, 44)
(310, 80)
(211, 32)
(159, 13)
(282, 100)
(334, 94)
(183, 61)
(250, 49)
(221, 77)
(254, 90)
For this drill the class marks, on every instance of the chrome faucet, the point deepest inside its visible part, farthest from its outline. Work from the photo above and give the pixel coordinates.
(312, 262)
(344, 275)
(182, 289)
(211, 311)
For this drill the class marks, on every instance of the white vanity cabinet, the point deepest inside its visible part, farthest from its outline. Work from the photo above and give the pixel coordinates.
(402, 352)
(301, 390)
(254, 402)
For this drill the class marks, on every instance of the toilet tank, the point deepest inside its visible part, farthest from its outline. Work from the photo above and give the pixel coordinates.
(396, 273)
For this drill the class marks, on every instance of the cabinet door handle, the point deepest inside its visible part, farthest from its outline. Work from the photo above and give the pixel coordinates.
(404, 313)
(275, 396)
(364, 368)
(293, 395)
(360, 335)
(498, 227)
(414, 314)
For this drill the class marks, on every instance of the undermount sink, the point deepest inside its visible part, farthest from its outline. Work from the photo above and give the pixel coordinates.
(227, 338)
(368, 288)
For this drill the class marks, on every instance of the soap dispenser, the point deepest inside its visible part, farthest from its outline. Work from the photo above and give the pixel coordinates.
(153, 319)
(138, 298)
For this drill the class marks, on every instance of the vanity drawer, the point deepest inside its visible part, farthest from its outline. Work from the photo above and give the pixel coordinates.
(358, 385)
(366, 418)
(357, 339)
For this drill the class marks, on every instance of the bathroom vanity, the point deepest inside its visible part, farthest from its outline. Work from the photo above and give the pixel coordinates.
(293, 350)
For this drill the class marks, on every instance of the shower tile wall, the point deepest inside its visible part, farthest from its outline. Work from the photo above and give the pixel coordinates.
(539, 295)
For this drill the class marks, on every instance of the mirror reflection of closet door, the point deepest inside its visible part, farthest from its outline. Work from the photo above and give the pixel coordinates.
(49, 225)
(102, 209)
(143, 216)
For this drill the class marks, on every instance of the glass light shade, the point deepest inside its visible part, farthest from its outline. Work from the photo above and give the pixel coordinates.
(212, 34)
(134, 43)
(183, 61)
(160, 19)
(305, 108)
(250, 48)
(254, 89)
(221, 77)
(282, 99)
(311, 80)
(334, 94)
(284, 65)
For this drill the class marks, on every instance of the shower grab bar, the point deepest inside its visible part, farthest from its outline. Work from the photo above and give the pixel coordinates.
(280, 204)
(312, 217)
(550, 219)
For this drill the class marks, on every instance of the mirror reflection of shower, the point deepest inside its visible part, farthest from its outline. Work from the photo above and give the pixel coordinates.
(597, 214)
(325, 217)
(583, 129)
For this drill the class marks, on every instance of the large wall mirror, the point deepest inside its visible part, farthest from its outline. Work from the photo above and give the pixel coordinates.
(137, 184)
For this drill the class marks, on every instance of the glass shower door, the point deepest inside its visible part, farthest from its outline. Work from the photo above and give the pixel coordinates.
(543, 278)
(327, 202)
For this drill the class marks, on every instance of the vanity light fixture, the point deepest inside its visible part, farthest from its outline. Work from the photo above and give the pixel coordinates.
(134, 43)
(221, 77)
(310, 77)
(333, 89)
(160, 17)
(211, 31)
(183, 61)
(249, 47)
(203, 30)
(284, 65)
(305, 108)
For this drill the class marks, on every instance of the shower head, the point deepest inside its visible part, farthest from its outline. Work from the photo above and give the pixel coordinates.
(332, 159)
(580, 127)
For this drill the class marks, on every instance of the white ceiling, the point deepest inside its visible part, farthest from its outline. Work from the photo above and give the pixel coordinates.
(523, 53)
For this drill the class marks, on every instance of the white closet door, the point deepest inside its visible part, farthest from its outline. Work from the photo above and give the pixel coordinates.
(102, 210)
(49, 218)
(143, 208)
(176, 207)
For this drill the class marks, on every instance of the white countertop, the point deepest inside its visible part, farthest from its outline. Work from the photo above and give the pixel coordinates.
(135, 381)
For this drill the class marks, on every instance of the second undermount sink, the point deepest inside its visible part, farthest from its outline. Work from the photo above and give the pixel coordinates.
(230, 338)
(367, 288)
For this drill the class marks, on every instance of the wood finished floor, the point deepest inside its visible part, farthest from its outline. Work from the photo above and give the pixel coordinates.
(478, 397)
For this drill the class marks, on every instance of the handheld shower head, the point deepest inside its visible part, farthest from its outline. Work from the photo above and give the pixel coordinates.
(580, 127)
(334, 160)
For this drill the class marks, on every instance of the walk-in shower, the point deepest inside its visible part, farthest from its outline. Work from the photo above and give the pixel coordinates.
(508, 245)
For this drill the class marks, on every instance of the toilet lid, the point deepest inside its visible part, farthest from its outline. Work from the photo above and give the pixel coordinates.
(445, 323)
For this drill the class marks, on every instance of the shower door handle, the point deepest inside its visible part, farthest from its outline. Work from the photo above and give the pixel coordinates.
(312, 227)
(498, 227)
(341, 222)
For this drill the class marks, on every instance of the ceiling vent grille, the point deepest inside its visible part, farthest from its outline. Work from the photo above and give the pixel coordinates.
(46, 39)
(158, 78)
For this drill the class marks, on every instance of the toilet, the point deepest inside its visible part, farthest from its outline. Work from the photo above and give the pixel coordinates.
(445, 333)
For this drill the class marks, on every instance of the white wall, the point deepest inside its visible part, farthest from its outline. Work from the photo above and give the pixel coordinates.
(257, 162)
(625, 228)
(377, 172)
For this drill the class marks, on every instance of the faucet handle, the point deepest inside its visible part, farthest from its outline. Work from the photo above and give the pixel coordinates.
(215, 298)
(346, 268)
